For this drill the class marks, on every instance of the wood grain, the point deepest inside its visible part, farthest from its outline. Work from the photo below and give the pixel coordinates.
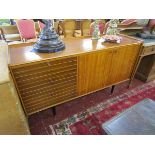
(123, 60)
(22, 53)
(93, 71)
(44, 84)
(45, 80)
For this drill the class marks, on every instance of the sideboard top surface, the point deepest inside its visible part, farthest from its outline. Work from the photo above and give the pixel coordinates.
(22, 53)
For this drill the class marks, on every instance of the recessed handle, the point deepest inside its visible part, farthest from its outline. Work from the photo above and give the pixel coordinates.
(49, 64)
(110, 52)
(115, 51)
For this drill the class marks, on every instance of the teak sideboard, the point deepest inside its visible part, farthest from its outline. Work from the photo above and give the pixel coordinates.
(44, 80)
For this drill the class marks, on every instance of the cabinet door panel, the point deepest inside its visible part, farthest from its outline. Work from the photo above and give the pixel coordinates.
(123, 61)
(93, 71)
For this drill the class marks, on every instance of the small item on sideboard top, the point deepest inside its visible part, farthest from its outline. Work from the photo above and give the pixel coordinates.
(112, 33)
(96, 30)
(112, 38)
(49, 41)
(112, 27)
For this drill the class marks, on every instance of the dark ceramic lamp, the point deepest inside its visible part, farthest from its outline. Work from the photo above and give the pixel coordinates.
(49, 41)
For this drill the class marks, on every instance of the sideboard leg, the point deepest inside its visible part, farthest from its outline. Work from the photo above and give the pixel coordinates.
(112, 89)
(54, 111)
(130, 82)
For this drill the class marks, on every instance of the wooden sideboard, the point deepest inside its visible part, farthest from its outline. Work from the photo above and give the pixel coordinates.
(146, 69)
(45, 80)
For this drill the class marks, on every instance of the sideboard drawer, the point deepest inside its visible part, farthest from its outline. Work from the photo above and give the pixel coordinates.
(47, 83)
(149, 49)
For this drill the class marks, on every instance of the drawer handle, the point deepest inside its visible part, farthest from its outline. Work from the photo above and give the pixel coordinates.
(110, 52)
(48, 63)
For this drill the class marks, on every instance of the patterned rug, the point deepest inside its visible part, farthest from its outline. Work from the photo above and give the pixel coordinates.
(89, 122)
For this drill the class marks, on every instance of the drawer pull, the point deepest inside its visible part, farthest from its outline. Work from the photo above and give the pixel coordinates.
(49, 64)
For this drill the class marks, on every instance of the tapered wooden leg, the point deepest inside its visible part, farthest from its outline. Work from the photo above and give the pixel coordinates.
(112, 89)
(54, 111)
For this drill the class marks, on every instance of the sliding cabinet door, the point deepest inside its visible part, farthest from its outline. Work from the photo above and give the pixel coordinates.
(93, 71)
(123, 63)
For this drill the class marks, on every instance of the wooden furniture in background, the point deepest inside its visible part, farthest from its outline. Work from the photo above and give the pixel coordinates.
(85, 27)
(127, 27)
(45, 80)
(78, 24)
(10, 33)
(131, 28)
(146, 69)
(68, 27)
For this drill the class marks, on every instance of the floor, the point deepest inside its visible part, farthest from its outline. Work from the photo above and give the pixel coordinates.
(39, 122)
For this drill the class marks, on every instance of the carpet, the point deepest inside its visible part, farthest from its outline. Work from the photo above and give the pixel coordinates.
(89, 122)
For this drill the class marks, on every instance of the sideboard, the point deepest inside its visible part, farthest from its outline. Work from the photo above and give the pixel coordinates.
(146, 69)
(44, 80)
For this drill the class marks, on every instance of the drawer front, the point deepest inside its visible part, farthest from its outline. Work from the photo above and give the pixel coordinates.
(46, 84)
(149, 49)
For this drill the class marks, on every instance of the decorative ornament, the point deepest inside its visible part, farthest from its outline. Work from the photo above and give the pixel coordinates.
(96, 30)
(112, 28)
(49, 40)
(112, 33)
